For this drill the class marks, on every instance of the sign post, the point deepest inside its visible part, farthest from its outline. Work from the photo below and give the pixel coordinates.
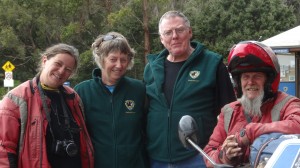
(8, 68)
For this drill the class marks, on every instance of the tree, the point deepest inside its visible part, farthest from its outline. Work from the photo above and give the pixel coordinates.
(295, 5)
(146, 28)
(28, 27)
(221, 23)
(14, 22)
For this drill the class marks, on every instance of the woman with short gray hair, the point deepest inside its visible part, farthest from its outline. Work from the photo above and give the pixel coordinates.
(114, 105)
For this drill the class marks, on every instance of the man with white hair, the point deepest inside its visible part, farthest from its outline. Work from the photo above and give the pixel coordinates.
(256, 73)
(185, 78)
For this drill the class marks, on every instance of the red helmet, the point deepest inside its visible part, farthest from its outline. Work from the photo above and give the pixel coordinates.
(253, 56)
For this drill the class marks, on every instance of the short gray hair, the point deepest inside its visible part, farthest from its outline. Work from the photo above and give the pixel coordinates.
(102, 47)
(172, 14)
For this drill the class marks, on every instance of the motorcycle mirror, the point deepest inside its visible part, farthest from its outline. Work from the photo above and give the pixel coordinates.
(187, 128)
(188, 135)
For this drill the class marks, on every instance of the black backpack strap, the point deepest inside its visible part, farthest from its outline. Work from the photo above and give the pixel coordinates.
(31, 86)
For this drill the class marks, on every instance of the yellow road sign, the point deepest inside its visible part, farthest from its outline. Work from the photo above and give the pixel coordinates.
(8, 66)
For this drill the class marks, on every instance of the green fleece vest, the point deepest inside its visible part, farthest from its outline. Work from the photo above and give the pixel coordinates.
(115, 121)
(193, 94)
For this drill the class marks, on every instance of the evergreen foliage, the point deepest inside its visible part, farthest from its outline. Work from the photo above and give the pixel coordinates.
(27, 27)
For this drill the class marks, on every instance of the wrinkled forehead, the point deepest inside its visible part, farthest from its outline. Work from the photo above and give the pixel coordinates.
(171, 23)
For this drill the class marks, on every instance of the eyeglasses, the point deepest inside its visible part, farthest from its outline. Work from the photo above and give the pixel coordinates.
(110, 37)
(169, 33)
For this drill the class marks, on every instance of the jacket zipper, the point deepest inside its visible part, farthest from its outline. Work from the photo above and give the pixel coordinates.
(114, 130)
(41, 141)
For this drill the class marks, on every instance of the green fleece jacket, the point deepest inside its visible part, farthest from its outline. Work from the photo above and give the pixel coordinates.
(115, 121)
(194, 94)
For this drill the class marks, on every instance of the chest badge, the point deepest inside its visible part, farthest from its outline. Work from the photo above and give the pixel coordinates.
(129, 104)
(194, 74)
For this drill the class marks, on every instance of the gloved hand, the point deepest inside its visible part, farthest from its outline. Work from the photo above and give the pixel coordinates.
(242, 139)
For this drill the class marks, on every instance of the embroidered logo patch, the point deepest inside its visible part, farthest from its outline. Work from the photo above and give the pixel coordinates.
(129, 104)
(194, 74)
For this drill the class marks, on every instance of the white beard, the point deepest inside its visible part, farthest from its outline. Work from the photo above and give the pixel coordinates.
(252, 107)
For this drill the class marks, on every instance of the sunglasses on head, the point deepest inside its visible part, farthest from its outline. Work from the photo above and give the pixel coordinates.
(110, 37)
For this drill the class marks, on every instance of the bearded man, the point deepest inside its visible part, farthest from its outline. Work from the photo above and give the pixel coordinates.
(260, 108)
